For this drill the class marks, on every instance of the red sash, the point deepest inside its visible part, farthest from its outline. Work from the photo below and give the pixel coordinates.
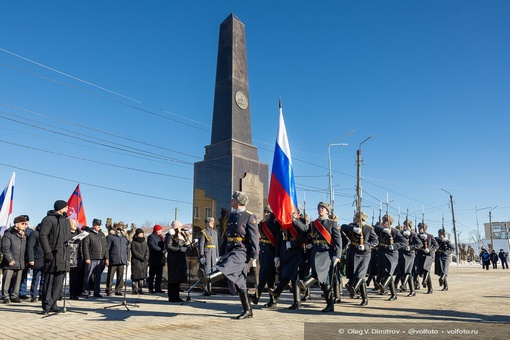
(324, 232)
(268, 233)
(293, 231)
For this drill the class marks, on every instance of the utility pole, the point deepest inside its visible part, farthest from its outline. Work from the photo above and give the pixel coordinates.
(454, 228)
(358, 177)
(490, 227)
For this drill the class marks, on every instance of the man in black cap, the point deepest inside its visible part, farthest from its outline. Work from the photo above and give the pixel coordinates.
(94, 255)
(54, 234)
(13, 249)
(239, 244)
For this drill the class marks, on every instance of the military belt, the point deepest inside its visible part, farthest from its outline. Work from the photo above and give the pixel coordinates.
(320, 242)
(210, 246)
(289, 239)
(265, 241)
(440, 251)
(355, 244)
(235, 239)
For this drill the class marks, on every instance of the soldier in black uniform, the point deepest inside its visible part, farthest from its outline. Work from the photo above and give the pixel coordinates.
(291, 258)
(239, 244)
(443, 253)
(326, 252)
(208, 250)
(270, 238)
(426, 256)
(390, 241)
(407, 257)
(361, 242)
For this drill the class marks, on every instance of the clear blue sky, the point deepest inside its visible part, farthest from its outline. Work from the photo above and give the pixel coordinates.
(118, 96)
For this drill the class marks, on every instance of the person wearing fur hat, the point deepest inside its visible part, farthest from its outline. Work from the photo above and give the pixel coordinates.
(157, 251)
(426, 256)
(175, 244)
(442, 261)
(326, 252)
(390, 241)
(239, 245)
(117, 256)
(139, 261)
(14, 244)
(94, 255)
(55, 232)
(362, 239)
(208, 250)
(407, 257)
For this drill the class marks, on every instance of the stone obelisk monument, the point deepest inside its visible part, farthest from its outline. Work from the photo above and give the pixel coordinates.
(231, 161)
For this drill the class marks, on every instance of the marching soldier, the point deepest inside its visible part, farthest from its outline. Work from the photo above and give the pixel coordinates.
(208, 250)
(362, 239)
(390, 241)
(239, 245)
(426, 256)
(270, 239)
(290, 258)
(442, 264)
(407, 257)
(326, 252)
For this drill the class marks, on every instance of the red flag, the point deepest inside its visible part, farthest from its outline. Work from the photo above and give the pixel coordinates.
(76, 210)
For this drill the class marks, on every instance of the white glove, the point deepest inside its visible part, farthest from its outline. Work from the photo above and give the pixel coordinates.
(202, 260)
(443, 239)
(356, 230)
(171, 232)
(254, 263)
(391, 247)
(406, 233)
(361, 247)
(309, 246)
(183, 249)
(335, 260)
(387, 231)
(408, 248)
(288, 245)
(426, 250)
(276, 261)
(422, 236)
(218, 260)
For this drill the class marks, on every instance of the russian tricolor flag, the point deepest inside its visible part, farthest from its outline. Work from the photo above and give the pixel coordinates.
(282, 190)
(6, 202)
(76, 210)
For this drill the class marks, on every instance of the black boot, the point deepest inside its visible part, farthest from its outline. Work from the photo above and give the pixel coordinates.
(441, 279)
(384, 285)
(353, 289)
(206, 279)
(412, 291)
(255, 297)
(275, 293)
(425, 278)
(416, 284)
(445, 284)
(245, 301)
(209, 289)
(306, 283)
(428, 284)
(296, 293)
(393, 290)
(363, 293)
(328, 295)
(337, 292)
(403, 287)
(306, 295)
(271, 302)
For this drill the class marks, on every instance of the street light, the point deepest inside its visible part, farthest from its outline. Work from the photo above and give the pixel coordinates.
(358, 177)
(454, 228)
(490, 227)
(329, 164)
(477, 227)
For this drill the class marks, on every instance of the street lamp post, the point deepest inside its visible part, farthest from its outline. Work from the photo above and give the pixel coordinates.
(358, 176)
(454, 228)
(329, 164)
(477, 226)
(490, 227)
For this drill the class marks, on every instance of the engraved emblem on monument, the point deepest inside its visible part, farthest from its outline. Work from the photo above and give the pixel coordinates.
(241, 100)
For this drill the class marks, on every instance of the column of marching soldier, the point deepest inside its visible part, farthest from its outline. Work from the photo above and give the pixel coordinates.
(305, 253)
